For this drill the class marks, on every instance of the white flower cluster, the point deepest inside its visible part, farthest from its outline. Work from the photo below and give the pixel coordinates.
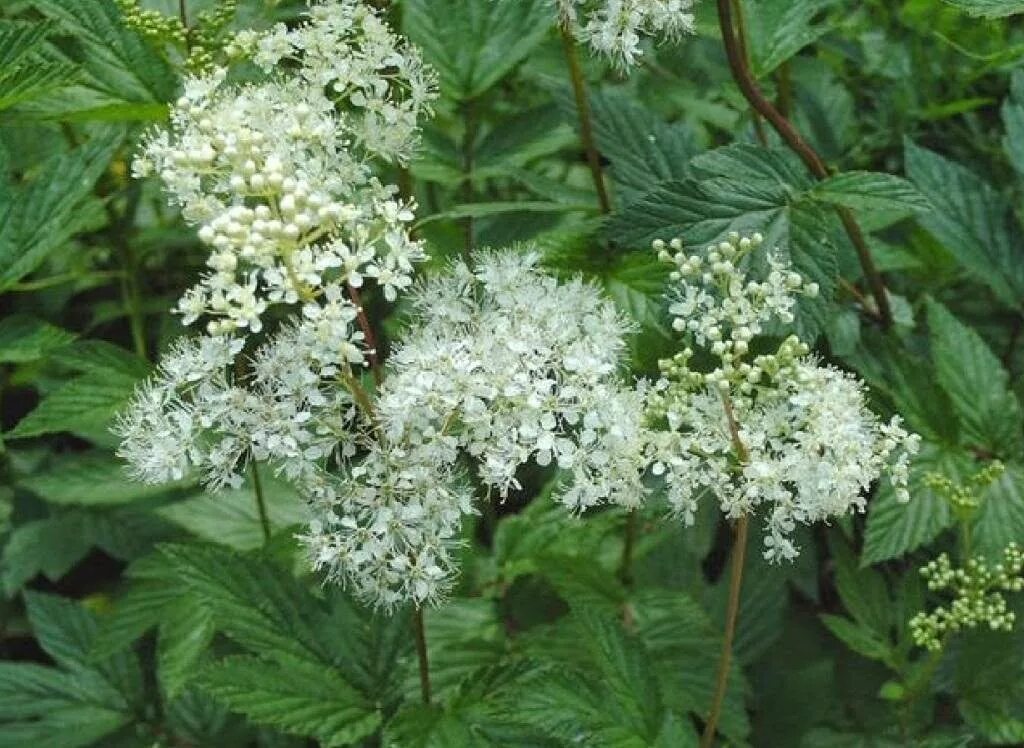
(777, 430)
(614, 28)
(278, 173)
(196, 415)
(507, 365)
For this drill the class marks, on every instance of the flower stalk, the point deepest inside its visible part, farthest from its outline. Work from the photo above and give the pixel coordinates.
(421, 653)
(579, 89)
(261, 503)
(739, 552)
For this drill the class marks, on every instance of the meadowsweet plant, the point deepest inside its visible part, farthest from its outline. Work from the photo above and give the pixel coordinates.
(774, 432)
(777, 430)
(428, 412)
(616, 28)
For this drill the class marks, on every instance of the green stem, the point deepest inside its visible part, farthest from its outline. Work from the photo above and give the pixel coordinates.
(261, 503)
(628, 546)
(468, 164)
(421, 652)
(739, 552)
(579, 89)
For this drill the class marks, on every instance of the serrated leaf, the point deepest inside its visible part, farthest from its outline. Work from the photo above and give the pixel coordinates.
(977, 384)
(256, 603)
(864, 592)
(40, 217)
(47, 546)
(778, 29)
(893, 528)
(1000, 519)
(971, 219)
(747, 189)
(1013, 121)
(868, 190)
(90, 479)
(607, 696)
(18, 39)
(860, 639)
(989, 8)
(521, 139)
(24, 338)
(100, 355)
(294, 695)
(684, 649)
(474, 45)
(119, 71)
(643, 150)
(86, 406)
(186, 631)
(70, 726)
(231, 518)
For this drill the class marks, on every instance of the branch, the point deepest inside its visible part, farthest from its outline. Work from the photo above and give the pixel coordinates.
(745, 80)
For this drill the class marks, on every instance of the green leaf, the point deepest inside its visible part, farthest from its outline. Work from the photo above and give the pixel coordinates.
(256, 603)
(863, 591)
(473, 45)
(1000, 519)
(519, 140)
(86, 406)
(186, 631)
(643, 150)
(977, 384)
(40, 216)
(747, 189)
(778, 29)
(47, 546)
(90, 479)
(120, 73)
(99, 355)
(989, 8)
(971, 219)
(610, 696)
(24, 73)
(868, 190)
(485, 210)
(683, 648)
(1013, 121)
(294, 695)
(24, 338)
(860, 639)
(894, 529)
(231, 518)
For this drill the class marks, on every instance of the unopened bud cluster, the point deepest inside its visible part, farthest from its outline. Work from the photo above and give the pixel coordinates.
(773, 429)
(977, 597)
(965, 497)
(201, 44)
(615, 28)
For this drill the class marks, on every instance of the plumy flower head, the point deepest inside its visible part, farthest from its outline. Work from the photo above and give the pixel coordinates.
(502, 363)
(278, 173)
(615, 28)
(777, 430)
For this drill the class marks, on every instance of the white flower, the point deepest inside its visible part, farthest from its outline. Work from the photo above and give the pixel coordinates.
(502, 363)
(278, 173)
(615, 28)
(779, 431)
